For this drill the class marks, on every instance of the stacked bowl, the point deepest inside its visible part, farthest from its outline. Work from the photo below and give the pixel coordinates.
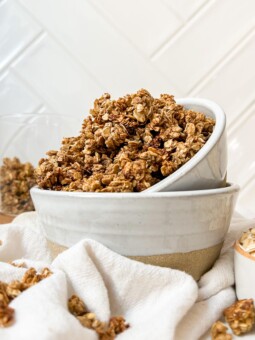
(179, 222)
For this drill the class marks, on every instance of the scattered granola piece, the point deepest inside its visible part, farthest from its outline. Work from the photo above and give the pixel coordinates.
(116, 325)
(14, 289)
(4, 299)
(6, 315)
(240, 316)
(9, 291)
(76, 306)
(16, 179)
(219, 332)
(18, 265)
(31, 277)
(126, 145)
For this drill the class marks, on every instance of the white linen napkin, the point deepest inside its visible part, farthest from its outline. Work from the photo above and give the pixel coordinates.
(158, 303)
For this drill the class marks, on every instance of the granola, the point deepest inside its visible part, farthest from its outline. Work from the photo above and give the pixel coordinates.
(116, 325)
(126, 145)
(247, 241)
(9, 291)
(16, 179)
(240, 316)
(219, 331)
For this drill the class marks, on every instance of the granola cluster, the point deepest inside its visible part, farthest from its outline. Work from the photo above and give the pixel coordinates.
(9, 291)
(219, 332)
(105, 331)
(247, 241)
(126, 145)
(16, 179)
(241, 318)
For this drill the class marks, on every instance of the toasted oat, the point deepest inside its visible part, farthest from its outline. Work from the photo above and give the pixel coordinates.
(240, 316)
(219, 332)
(16, 179)
(9, 291)
(126, 145)
(105, 331)
(247, 241)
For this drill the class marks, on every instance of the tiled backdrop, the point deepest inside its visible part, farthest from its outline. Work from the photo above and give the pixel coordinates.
(58, 55)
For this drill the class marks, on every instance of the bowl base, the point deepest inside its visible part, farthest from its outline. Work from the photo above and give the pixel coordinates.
(195, 263)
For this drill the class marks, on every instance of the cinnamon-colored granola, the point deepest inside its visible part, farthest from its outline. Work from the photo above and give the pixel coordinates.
(16, 179)
(247, 241)
(219, 332)
(9, 291)
(126, 145)
(116, 325)
(240, 316)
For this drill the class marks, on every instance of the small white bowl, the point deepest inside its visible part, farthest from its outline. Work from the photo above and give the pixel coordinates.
(138, 224)
(208, 168)
(244, 265)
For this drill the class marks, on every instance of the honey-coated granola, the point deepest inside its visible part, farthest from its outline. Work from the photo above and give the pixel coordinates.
(241, 316)
(219, 331)
(9, 291)
(126, 145)
(16, 179)
(105, 331)
(247, 241)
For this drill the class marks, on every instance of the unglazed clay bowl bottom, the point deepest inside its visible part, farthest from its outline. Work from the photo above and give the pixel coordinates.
(208, 168)
(182, 230)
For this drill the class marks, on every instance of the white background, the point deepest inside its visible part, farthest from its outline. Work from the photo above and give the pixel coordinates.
(59, 55)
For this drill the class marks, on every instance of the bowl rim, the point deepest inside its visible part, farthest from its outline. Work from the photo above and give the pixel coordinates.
(229, 189)
(218, 131)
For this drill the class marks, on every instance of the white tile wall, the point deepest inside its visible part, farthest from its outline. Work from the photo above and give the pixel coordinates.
(147, 24)
(184, 8)
(232, 82)
(15, 96)
(58, 55)
(59, 79)
(18, 29)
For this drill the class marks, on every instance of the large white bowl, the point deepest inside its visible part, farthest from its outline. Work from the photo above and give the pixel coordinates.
(208, 168)
(136, 224)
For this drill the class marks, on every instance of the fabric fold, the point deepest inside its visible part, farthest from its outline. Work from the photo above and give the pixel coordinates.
(158, 303)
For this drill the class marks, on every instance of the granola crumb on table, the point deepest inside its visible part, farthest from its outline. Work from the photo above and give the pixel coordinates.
(126, 145)
(116, 325)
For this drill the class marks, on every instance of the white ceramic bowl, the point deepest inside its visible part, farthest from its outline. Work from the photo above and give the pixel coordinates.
(208, 168)
(136, 224)
(244, 273)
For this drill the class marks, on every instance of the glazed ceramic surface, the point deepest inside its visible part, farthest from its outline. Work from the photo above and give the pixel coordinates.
(138, 223)
(208, 168)
(244, 273)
